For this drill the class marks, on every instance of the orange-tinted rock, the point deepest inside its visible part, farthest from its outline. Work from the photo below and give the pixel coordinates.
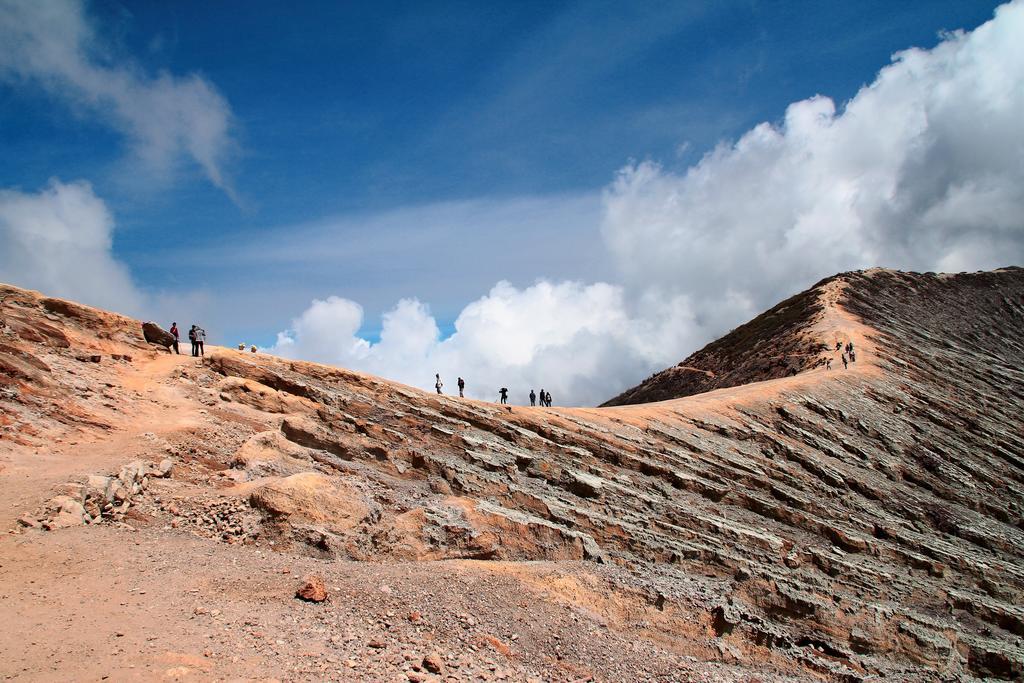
(312, 589)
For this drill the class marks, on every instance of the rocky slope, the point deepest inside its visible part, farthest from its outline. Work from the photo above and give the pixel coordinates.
(818, 525)
(778, 343)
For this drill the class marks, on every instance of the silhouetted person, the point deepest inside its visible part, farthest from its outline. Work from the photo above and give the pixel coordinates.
(438, 384)
(503, 392)
(462, 387)
(533, 398)
(194, 338)
(547, 399)
(541, 396)
(174, 331)
(844, 361)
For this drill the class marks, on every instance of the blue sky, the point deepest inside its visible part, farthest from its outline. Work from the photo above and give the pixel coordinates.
(376, 151)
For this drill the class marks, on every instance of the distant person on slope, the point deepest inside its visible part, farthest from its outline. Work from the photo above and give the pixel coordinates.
(503, 392)
(844, 361)
(201, 340)
(541, 397)
(547, 399)
(462, 387)
(438, 384)
(533, 398)
(174, 331)
(192, 337)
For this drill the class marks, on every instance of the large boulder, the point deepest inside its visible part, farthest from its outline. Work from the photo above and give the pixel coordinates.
(313, 497)
(270, 454)
(155, 334)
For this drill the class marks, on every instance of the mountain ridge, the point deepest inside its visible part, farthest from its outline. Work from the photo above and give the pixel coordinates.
(785, 340)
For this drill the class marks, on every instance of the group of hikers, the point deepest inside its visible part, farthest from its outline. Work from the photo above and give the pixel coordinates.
(545, 396)
(196, 335)
(848, 355)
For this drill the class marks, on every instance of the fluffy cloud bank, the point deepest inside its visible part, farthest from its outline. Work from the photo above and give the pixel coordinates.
(166, 118)
(570, 339)
(59, 241)
(921, 169)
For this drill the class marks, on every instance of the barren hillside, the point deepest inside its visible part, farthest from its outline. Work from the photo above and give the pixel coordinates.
(818, 525)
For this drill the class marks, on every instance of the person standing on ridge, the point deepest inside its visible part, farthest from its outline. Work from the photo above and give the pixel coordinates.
(533, 398)
(174, 331)
(547, 399)
(503, 392)
(201, 340)
(193, 337)
(541, 397)
(462, 387)
(438, 384)
(844, 362)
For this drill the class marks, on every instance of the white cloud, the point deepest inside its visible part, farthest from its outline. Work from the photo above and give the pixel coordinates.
(166, 118)
(571, 339)
(58, 241)
(921, 169)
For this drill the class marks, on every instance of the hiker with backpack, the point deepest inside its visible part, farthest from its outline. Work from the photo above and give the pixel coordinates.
(462, 387)
(503, 392)
(193, 337)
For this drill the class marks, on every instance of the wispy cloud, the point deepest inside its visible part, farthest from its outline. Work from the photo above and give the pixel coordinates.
(166, 118)
(440, 252)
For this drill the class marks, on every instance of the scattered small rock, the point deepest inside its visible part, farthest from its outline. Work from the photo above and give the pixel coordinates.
(433, 663)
